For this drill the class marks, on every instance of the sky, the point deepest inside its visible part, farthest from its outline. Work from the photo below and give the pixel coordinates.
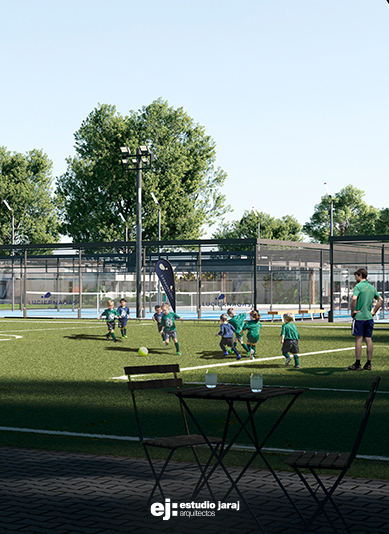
(294, 93)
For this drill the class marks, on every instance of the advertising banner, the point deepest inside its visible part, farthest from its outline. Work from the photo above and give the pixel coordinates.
(165, 274)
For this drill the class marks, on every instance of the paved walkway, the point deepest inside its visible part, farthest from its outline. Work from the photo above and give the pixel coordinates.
(50, 492)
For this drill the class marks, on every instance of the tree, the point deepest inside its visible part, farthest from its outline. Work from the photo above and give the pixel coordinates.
(95, 188)
(285, 228)
(25, 183)
(382, 225)
(352, 216)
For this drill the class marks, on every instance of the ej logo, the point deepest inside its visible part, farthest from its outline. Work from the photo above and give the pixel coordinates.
(165, 510)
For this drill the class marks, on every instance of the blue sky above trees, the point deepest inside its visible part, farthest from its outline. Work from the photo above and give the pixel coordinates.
(293, 93)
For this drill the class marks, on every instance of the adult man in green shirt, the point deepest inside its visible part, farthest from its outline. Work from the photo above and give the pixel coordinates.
(363, 323)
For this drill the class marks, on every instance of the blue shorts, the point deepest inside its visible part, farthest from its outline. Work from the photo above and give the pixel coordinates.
(362, 328)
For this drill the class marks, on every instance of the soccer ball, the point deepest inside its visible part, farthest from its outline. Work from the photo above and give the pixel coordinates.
(143, 351)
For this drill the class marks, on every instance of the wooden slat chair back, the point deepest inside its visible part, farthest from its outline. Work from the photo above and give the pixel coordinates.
(333, 461)
(139, 382)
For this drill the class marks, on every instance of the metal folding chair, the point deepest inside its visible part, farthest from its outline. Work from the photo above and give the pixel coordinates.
(172, 442)
(334, 461)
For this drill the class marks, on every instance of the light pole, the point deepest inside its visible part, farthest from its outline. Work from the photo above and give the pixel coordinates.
(331, 210)
(159, 240)
(142, 159)
(257, 257)
(259, 222)
(126, 225)
(331, 312)
(12, 252)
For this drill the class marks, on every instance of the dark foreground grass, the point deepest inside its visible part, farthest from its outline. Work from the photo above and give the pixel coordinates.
(59, 376)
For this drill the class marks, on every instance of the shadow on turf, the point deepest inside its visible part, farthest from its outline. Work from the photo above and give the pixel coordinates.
(214, 355)
(116, 348)
(82, 337)
(322, 371)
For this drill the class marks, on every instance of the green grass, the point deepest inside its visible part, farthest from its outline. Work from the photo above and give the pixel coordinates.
(58, 376)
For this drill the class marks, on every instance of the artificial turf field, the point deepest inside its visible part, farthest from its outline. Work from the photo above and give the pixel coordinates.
(62, 376)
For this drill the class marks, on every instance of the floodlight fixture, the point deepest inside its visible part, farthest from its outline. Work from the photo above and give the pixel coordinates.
(154, 198)
(8, 206)
(125, 150)
(327, 189)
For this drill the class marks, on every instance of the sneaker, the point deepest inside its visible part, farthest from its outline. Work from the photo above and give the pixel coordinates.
(297, 366)
(225, 353)
(355, 367)
(230, 351)
(115, 340)
(178, 353)
(124, 337)
(252, 355)
(367, 366)
(288, 360)
(239, 357)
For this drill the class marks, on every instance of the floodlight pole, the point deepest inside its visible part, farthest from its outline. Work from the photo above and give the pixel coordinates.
(138, 234)
(331, 311)
(142, 153)
(126, 226)
(12, 253)
(159, 240)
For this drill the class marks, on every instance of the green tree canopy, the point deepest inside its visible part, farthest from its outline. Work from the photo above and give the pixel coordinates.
(382, 225)
(95, 188)
(285, 228)
(25, 183)
(352, 216)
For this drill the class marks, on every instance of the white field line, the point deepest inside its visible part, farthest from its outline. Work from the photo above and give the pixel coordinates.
(65, 328)
(47, 321)
(347, 327)
(10, 335)
(136, 439)
(63, 433)
(243, 361)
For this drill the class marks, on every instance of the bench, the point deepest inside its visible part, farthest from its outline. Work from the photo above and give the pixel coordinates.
(305, 311)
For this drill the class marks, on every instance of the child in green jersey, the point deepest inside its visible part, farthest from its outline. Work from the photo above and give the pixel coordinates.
(169, 326)
(253, 327)
(110, 315)
(289, 340)
(237, 321)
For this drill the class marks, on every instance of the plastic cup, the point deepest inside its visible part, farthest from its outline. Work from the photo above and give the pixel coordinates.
(256, 382)
(210, 380)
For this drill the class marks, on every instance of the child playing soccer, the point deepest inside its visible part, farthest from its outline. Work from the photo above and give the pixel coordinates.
(237, 321)
(110, 315)
(169, 326)
(253, 327)
(124, 313)
(289, 340)
(157, 317)
(227, 333)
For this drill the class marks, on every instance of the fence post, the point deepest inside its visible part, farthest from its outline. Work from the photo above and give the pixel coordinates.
(144, 284)
(79, 285)
(199, 284)
(25, 284)
(383, 280)
(256, 254)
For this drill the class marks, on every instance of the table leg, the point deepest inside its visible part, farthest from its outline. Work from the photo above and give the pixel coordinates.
(220, 462)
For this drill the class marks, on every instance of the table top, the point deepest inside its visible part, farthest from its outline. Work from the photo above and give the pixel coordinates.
(233, 392)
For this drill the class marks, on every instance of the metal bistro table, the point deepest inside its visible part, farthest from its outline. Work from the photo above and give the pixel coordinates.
(232, 394)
